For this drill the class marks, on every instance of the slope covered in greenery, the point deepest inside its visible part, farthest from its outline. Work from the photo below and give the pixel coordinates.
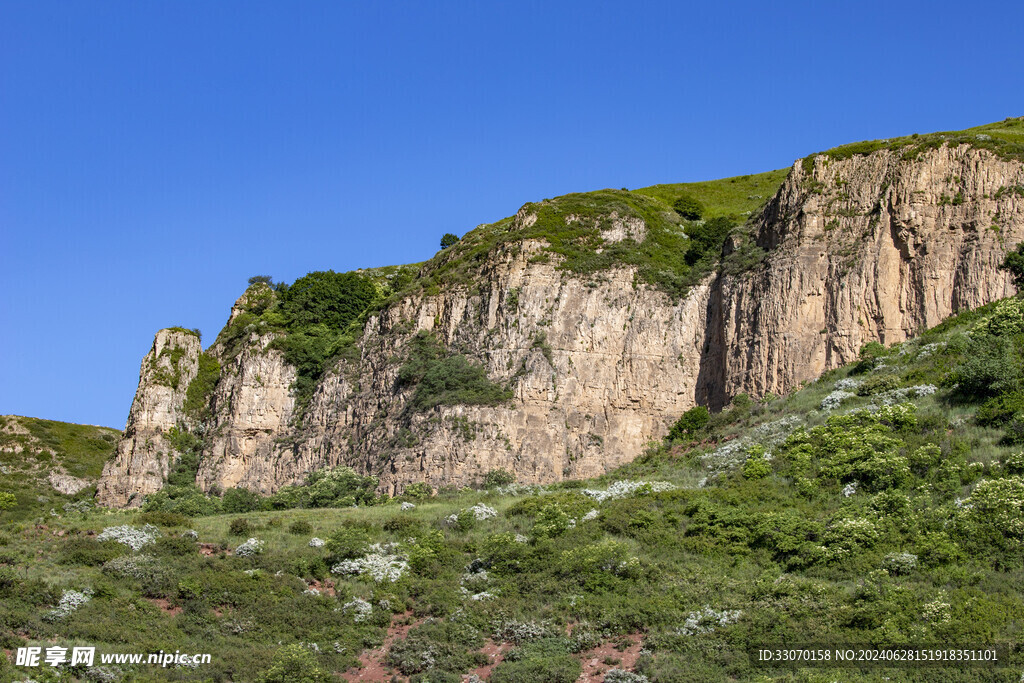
(30, 448)
(882, 504)
(1004, 139)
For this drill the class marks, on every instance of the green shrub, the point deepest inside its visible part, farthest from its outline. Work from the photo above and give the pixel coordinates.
(688, 207)
(296, 664)
(497, 478)
(1014, 262)
(541, 661)
(238, 500)
(691, 422)
(164, 519)
(197, 396)
(347, 543)
(327, 298)
(300, 528)
(89, 552)
(175, 546)
(551, 521)
(870, 356)
(878, 384)
(446, 379)
(240, 526)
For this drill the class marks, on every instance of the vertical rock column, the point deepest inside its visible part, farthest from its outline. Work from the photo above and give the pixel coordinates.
(144, 455)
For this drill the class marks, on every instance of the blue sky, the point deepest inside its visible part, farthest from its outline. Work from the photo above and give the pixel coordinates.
(154, 155)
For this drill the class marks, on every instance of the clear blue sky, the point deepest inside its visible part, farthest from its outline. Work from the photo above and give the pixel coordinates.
(154, 155)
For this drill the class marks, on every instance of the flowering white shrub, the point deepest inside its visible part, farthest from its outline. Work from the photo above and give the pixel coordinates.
(359, 608)
(381, 563)
(621, 489)
(589, 516)
(311, 591)
(515, 489)
(847, 384)
(621, 676)
(938, 610)
(894, 396)
(899, 563)
(835, 399)
(316, 542)
(707, 620)
(848, 535)
(408, 506)
(130, 536)
(481, 596)
(253, 546)
(518, 632)
(482, 512)
(929, 349)
(132, 566)
(69, 601)
(849, 489)
(519, 538)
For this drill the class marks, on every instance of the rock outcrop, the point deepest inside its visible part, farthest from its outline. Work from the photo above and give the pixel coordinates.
(872, 247)
(144, 455)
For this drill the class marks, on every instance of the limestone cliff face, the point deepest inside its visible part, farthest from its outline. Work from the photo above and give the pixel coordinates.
(144, 455)
(873, 247)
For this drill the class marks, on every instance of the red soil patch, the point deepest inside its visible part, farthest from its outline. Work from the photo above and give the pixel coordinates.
(165, 605)
(325, 587)
(210, 549)
(594, 667)
(495, 655)
(373, 667)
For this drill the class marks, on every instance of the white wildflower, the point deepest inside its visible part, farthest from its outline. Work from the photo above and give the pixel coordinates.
(590, 515)
(130, 536)
(482, 512)
(847, 384)
(316, 542)
(253, 546)
(707, 619)
(359, 608)
(849, 489)
(621, 489)
(70, 600)
(408, 506)
(381, 564)
(835, 399)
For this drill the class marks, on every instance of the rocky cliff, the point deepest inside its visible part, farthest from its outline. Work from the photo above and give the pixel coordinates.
(852, 248)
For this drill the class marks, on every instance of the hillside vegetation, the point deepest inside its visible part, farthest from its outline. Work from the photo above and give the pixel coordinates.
(30, 449)
(880, 504)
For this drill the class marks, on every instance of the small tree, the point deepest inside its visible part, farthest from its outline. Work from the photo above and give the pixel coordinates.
(688, 207)
(265, 279)
(1014, 262)
(448, 240)
(692, 421)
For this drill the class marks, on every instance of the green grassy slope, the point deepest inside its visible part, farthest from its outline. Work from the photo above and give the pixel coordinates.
(1004, 138)
(30, 448)
(881, 504)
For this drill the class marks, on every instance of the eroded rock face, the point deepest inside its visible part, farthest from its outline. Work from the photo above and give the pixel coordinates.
(143, 455)
(869, 248)
(872, 248)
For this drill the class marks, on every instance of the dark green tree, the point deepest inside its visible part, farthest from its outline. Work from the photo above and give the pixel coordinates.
(448, 240)
(327, 298)
(691, 422)
(1014, 262)
(688, 207)
(265, 279)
